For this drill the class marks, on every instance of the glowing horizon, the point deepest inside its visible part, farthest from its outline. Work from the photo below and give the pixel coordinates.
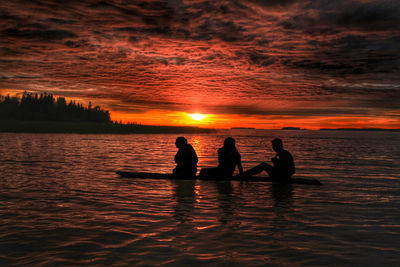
(197, 116)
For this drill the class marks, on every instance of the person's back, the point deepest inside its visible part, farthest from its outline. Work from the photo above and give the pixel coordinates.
(186, 159)
(228, 158)
(283, 164)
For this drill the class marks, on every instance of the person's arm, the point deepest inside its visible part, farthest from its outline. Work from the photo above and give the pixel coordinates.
(275, 160)
(240, 167)
(219, 151)
(239, 164)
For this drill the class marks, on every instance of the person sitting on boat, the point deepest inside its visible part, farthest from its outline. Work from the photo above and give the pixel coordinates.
(283, 163)
(186, 159)
(228, 158)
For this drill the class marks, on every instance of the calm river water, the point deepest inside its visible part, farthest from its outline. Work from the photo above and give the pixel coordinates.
(61, 202)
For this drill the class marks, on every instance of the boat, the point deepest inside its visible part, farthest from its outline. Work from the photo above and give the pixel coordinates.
(150, 175)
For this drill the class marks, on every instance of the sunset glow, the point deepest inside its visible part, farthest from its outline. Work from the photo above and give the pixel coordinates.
(246, 63)
(197, 116)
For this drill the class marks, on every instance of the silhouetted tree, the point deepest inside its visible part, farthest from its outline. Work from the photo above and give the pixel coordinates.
(46, 107)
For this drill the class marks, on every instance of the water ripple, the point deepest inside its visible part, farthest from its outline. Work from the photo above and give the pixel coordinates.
(61, 203)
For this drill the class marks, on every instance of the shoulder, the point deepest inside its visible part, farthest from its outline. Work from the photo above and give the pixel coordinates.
(237, 152)
(189, 147)
(286, 153)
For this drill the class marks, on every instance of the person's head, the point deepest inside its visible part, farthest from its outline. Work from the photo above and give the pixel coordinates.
(277, 144)
(180, 142)
(229, 143)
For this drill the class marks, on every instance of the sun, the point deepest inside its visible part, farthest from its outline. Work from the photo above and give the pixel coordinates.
(197, 116)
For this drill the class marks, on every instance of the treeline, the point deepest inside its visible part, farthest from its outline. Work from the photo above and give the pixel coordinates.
(46, 107)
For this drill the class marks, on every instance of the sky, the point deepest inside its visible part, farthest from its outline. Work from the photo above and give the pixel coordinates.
(243, 63)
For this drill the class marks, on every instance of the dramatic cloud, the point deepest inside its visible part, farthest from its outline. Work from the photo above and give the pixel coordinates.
(243, 58)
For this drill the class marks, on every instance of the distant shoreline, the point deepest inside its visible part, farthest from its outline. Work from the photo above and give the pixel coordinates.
(361, 129)
(32, 126)
(19, 126)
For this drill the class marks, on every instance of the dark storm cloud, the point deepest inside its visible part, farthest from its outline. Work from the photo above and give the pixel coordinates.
(339, 15)
(60, 21)
(370, 16)
(148, 30)
(274, 3)
(203, 26)
(41, 35)
(369, 95)
(227, 31)
(260, 58)
(353, 54)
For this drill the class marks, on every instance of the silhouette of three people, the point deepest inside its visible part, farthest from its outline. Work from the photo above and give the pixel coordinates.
(228, 158)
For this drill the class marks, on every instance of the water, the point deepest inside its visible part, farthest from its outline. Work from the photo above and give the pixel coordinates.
(61, 202)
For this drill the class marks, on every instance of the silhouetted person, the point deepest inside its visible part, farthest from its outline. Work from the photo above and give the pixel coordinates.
(228, 158)
(283, 164)
(186, 159)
